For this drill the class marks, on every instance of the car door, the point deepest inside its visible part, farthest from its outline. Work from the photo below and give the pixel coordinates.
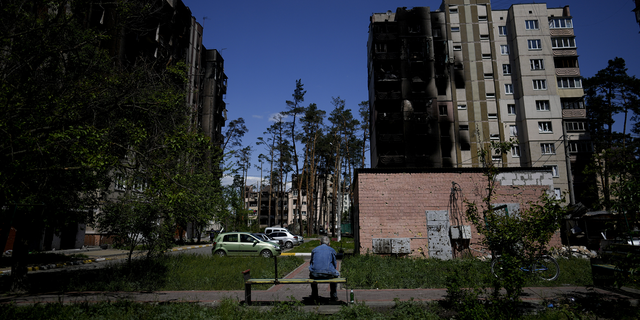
(248, 245)
(230, 244)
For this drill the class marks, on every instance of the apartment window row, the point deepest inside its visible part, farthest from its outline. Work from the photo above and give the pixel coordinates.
(580, 146)
(531, 24)
(542, 105)
(508, 88)
(545, 127)
(554, 171)
(539, 84)
(558, 23)
(574, 126)
(547, 148)
(560, 43)
(536, 64)
(506, 69)
(534, 44)
(576, 104)
(568, 82)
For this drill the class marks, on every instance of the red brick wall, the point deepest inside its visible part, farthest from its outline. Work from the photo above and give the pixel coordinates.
(393, 205)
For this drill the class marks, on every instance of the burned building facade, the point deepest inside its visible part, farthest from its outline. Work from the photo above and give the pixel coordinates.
(444, 83)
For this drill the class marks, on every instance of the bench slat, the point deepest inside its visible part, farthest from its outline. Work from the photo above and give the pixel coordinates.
(295, 281)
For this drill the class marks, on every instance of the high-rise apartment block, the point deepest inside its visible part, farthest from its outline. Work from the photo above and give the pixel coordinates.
(444, 83)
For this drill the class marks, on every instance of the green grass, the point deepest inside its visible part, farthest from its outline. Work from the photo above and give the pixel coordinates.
(346, 244)
(170, 272)
(371, 271)
(228, 309)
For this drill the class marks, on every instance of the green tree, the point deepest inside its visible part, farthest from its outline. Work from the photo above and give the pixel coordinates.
(295, 110)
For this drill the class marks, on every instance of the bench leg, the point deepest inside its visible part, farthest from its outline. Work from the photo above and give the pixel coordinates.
(247, 294)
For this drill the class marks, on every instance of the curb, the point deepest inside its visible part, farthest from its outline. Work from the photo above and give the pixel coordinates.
(299, 254)
(87, 261)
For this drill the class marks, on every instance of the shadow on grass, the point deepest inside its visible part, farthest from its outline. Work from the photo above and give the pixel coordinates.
(140, 275)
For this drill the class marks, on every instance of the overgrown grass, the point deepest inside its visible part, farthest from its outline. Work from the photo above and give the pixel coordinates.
(372, 271)
(347, 245)
(170, 272)
(228, 309)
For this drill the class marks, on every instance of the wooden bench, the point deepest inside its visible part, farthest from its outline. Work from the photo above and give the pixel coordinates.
(604, 268)
(248, 282)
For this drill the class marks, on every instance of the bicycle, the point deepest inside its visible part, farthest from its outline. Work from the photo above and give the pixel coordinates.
(544, 266)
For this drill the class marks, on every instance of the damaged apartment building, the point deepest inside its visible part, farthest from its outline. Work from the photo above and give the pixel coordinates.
(445, 83)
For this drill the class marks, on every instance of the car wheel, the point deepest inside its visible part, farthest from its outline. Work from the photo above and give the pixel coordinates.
(266, 253)
(220, 253)
(289, 245)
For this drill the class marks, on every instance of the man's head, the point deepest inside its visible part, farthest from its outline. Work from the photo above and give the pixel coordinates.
(324, 240)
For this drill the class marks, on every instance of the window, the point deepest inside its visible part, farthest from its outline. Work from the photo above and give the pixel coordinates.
(513, 130)
(558, 193)
(484, 37)
(572, 104)
(304, 203)
(496, 158)
(304, 213)
(542, 105)
(544, 127)
(488, 75)
(534, 44)
(436, 32)
(579, 147)
(559, 43)
(453, 9)
(511, 109)
(381, 47)
(532, 25)
(119, 182)
(443, 109)
(462, 107)
(506, 69)
(502, 30)
(504, 49)
(455, 29)
(493, 116)
(575, 126)
(508, 88)
(482, 18)
(486, 56)
(494, 136)
(566, 82)
(457, 48)
(464, 127)
(491, 95)
(557, 23)
(515, 151)
(547, 148)
(554, 171)
(537, 64)
(539, 84)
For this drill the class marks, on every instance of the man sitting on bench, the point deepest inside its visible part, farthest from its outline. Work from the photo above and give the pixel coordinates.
(323, 266)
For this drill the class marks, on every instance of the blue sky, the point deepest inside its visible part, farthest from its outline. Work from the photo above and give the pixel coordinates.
(268, 45)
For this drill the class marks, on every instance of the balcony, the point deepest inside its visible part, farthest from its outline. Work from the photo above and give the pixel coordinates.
(567, 32)
(574, 113)
(574, 72)
(565, 53)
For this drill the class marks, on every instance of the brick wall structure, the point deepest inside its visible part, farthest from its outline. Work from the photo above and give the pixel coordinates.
(396, 204)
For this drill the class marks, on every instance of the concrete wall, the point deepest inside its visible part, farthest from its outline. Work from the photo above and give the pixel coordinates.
(408, 205)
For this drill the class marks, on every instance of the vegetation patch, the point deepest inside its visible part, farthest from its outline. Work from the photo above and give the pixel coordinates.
(346, 245)
(169, 272)
(373, 271)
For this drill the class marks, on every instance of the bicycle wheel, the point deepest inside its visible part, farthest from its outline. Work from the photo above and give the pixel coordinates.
(546, 268)
(497, 266)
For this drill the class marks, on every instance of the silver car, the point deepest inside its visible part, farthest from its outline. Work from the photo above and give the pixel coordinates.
(266, 238)
(287, 238)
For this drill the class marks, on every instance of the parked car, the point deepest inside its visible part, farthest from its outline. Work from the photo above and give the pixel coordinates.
(264, 237)
(287, 238)
(243, 244)
(269, 230)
